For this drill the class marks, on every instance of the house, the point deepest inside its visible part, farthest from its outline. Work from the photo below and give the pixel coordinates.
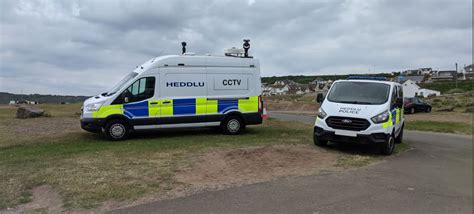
(445, 75)
(279, 90)
(425, 71)
(411, 89)
(411, 72)
(468, 72)
(284, 82)
(302, 89)
(416, 79)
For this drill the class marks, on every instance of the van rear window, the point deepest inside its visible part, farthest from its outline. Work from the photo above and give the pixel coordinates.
(366, 93)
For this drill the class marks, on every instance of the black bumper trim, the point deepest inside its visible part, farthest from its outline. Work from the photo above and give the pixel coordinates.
(92, 124)
(374, 138)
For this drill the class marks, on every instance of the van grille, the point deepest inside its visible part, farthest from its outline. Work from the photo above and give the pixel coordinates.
(348, 123)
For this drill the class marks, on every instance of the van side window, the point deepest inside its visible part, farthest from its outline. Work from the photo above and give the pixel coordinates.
(393, 97)
(141, 89)
(400, 91)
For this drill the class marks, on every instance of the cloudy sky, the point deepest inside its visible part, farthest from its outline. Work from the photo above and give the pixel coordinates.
(81, 47)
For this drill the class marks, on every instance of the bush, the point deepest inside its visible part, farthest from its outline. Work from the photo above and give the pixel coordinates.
(455, 90)
(469, 110)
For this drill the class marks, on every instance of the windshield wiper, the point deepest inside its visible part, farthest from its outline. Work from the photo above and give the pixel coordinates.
(109, 94)
(105, 93)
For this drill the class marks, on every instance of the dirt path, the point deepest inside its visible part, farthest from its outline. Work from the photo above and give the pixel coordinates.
(230, 167)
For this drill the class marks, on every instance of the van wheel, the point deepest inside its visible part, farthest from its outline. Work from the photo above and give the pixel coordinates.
(388, 146)
(399, 138)
(116, 130)
(428, 110)
(232, 125)
(412, 110)
(319, 142)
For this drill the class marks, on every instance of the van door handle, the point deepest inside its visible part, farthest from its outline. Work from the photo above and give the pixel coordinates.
(166, 102)
(153, 103)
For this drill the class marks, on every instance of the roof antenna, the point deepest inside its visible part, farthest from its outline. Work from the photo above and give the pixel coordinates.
(184, 47)
(246, 47)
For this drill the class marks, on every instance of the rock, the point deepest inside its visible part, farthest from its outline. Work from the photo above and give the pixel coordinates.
(24, 112)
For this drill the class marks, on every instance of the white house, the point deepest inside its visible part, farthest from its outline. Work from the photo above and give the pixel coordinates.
(279, 90)
(428, 92)
(411, 89)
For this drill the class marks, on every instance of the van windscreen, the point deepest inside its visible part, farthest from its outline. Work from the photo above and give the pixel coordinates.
(121, 83)
(366, 93)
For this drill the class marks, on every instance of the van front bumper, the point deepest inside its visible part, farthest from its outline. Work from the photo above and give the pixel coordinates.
(374, 138)
(92, 124)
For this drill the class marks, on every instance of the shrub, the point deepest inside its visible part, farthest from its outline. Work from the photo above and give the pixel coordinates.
(469, 110)
(455, 90)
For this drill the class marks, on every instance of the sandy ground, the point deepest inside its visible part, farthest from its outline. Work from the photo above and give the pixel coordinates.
(44, 200)
(220, 168)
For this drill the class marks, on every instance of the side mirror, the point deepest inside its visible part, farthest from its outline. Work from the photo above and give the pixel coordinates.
(319, 98)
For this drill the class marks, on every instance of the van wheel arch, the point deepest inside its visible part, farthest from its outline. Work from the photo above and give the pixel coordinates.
(118, 117)
(235, 113)
(229, 117)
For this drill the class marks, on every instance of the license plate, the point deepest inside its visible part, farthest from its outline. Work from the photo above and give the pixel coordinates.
(346, 133)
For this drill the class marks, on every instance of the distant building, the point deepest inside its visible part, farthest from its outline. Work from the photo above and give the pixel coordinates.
(445, 75)
(425, 71)
(468, 72)
(416, 79)
(411, 72)
(411, 89)
(284, 82)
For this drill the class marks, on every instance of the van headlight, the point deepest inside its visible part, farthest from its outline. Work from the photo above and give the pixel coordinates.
(94, 106)
(380, 118)
(321, 113)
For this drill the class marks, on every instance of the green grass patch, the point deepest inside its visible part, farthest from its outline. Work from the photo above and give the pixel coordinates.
(433, 126)
(448, 86)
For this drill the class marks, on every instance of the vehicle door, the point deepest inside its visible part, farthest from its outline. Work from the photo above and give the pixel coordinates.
(394, 109)
(137, 101)
(419, 106)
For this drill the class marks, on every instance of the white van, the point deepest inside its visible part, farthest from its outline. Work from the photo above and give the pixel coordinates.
(361, 110)
(179, 91)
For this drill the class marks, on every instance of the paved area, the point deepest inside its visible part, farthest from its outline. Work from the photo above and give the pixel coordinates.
(433, 177)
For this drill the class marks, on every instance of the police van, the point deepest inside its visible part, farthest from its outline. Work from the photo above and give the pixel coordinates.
(361, 110)
(180, 91)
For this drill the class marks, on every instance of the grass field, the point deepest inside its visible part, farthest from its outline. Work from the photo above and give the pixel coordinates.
(448, 86)
(435, 126)
(87, 170)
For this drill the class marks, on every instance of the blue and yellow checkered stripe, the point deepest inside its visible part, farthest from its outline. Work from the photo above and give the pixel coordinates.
(180, 107)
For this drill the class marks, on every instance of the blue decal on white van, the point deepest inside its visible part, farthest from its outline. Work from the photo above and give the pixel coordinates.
(139, 109)
(184, 106)
(224, 106)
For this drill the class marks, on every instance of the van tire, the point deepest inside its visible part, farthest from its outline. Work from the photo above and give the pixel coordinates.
(388, 146)
(319, 142)
(232, 125)
(116, 130)
(399, 138)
